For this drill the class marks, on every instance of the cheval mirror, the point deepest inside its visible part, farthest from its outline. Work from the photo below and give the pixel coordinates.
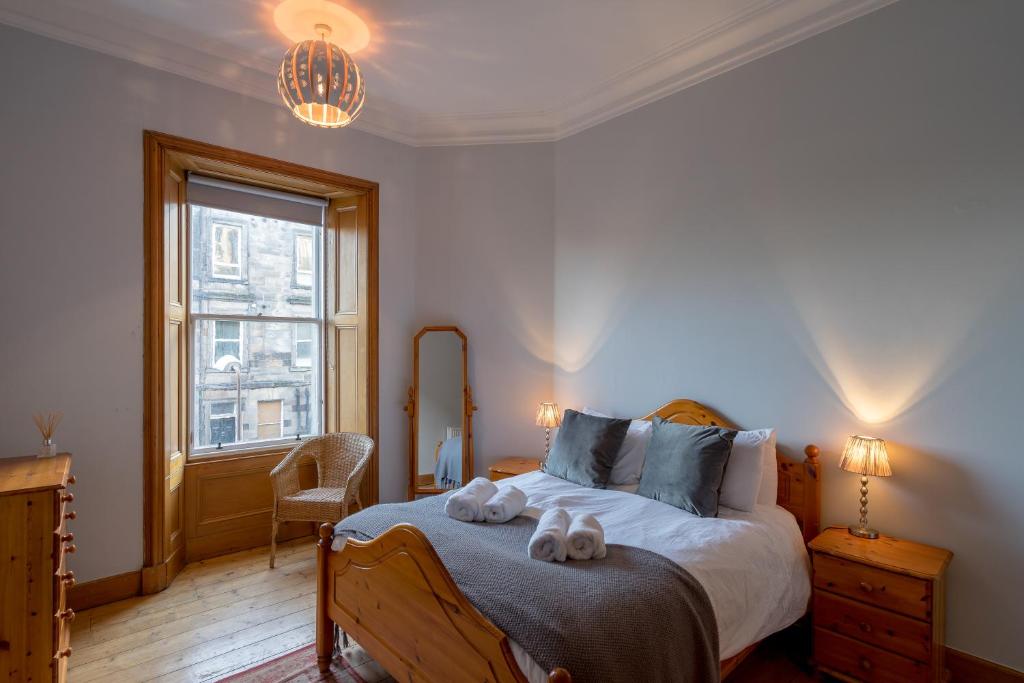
(440, 412)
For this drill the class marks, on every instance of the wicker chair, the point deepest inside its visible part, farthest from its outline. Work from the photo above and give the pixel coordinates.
(340, 463)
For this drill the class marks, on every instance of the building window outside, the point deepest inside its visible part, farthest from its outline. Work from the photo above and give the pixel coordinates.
(223, 422)
(227, 250)
(303, 260)
(227, 341)
(303, 354)
(269, 424)
(276, 387)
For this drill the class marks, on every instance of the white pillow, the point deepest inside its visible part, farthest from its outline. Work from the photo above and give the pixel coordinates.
(741, 484)
(769, 491)
(630, 461)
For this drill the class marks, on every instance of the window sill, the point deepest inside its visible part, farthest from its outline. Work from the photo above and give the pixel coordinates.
(260, 450)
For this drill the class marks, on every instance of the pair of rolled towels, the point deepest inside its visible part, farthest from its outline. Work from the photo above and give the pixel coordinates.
(481, 501)
(558, 535)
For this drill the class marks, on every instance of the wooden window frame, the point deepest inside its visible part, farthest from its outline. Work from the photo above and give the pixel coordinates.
(350, 385)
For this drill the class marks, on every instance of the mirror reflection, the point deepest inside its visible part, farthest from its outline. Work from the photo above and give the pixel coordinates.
(440, 448)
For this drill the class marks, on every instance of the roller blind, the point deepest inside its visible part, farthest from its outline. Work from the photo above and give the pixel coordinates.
(258, 201)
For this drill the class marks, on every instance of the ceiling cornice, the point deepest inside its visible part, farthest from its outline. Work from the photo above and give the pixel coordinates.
(760, 29)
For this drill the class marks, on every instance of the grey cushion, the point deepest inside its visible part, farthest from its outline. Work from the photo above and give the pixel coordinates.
(685, 465)
(585, 449)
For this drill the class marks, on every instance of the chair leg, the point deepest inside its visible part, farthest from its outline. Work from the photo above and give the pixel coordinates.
(273, 539)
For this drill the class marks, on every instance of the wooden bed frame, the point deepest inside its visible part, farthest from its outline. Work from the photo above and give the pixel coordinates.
(394, 596)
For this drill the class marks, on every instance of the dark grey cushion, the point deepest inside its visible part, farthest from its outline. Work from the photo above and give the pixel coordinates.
(585, 449)
(685, 464)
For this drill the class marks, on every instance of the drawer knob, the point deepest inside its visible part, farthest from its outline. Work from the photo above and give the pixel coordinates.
(865, 664)
(71, 515)
(864, 626)
(67, 538)
(71, 479)
(67, 497)
(70, 548)
(68, 578)
(866, 587)
(67, 615)
(66, 652)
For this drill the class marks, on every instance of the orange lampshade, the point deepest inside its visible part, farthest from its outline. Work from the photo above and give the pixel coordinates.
(866, 455)
(548, 415)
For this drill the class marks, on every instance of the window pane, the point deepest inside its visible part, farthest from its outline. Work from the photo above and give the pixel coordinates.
(275, 397)
(251, 265)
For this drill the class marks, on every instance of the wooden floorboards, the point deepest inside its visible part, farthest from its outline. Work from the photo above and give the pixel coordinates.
(229, 613)
(219, 616)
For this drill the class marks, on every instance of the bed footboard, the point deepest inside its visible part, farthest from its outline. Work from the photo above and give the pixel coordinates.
(397, 599)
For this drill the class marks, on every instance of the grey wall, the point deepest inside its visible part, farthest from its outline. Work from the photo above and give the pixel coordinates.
(828, 240)
(71, 268)
(484, 263)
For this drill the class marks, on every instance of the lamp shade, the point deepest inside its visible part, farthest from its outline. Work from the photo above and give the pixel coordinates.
(548, 415)
(866, 455)
(321, 84)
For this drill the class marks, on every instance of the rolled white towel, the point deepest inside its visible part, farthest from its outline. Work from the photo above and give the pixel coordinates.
(467, 504)
(504, 505)
(548, 542)
(585, 540)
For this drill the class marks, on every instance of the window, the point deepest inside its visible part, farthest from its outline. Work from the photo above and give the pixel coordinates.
(278, 383)
(269, 425)
(302, 357)
(227, 342)
(223, 422)
(303, 260)
(227, 251)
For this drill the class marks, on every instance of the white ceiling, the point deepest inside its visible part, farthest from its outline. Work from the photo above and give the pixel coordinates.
(459, 71)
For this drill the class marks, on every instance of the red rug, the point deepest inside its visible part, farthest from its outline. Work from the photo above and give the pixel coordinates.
(298, 667)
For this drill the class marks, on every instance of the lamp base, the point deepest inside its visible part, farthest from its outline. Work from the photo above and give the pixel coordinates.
(863, 532)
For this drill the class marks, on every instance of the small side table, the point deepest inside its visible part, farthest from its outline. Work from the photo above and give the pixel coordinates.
(510, 467)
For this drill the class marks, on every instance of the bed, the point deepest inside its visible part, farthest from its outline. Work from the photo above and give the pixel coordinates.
(394, 595)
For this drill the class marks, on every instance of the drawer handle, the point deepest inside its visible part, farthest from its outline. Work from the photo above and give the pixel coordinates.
(865, 627)
(67, 615)
(70, 548)
(67, 538)
(865, 664)
(71, 515)
(68, 578)
(66, 652)
(866, 587)
(71, 479)
(67, 497)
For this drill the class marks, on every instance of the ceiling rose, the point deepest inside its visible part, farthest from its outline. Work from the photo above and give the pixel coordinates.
(319, 81)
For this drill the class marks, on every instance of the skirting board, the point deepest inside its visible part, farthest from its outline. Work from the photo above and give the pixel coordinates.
(102, 591)
(965, 668)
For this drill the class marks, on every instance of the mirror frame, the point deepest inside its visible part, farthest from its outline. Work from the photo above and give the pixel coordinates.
(412, 409)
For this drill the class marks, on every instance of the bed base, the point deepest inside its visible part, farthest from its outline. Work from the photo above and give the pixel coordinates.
(395, 597)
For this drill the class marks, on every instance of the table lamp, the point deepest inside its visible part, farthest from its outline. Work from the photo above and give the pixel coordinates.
(865, 456)
(548, 417)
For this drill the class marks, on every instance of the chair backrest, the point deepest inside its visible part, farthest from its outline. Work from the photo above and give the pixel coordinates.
(338, 456)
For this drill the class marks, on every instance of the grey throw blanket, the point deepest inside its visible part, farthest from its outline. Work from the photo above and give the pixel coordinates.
(633, 616)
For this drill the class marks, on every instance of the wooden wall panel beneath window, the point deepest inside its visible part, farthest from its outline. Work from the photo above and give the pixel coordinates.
(229, 505)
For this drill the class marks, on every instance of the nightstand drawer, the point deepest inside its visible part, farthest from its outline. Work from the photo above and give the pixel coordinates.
(864, 662)
(874, 626)
(897, 592)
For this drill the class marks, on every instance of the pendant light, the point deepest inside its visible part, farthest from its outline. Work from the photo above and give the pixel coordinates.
(320, 83)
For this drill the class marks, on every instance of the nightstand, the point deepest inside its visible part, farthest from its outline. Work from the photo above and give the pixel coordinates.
(510, 467)
(879, 608)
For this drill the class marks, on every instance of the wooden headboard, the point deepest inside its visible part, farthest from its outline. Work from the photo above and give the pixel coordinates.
(799, 480)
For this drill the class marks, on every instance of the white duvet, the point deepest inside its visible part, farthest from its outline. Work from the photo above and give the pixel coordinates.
(753, 565)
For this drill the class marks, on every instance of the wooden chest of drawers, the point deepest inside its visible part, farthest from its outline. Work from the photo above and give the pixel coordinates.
(35, 631)
(879, 608)
(510, 467)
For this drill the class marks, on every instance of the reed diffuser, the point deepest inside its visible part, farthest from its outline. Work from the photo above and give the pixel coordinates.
(47, 424)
